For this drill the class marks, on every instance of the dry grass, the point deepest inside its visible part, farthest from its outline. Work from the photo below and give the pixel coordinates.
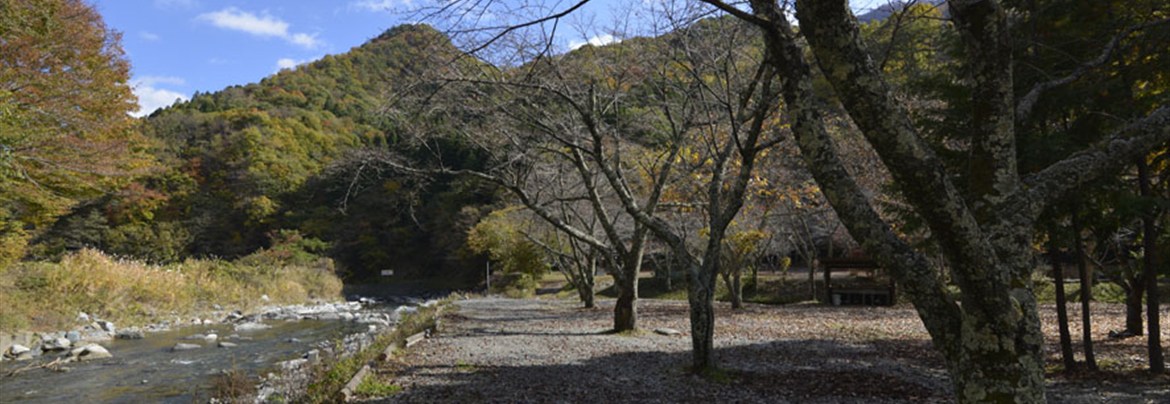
(48, 296)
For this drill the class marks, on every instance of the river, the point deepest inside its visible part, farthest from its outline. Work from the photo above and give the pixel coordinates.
(149, 370)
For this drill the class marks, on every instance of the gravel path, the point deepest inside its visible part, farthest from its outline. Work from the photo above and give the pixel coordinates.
(510, 351)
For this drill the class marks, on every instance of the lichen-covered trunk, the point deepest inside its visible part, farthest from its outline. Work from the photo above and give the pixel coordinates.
(996, 367)
(702, 307)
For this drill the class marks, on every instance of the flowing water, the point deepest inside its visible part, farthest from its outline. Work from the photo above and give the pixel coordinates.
(148, 371)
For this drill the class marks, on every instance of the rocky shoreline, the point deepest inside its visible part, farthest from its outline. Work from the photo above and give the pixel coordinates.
(290, 379)
(86, 341)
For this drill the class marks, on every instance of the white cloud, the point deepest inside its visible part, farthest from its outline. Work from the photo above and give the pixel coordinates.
(151, 98)
(267, 26)
(290, 63)
(149, 36)
(598, 40)
(305, 40)
(286, 63)
(235, 19)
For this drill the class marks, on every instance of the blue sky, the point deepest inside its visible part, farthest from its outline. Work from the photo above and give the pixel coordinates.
(178, 47)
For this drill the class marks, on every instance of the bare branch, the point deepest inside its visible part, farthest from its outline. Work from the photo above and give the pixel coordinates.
(1120, 148)
(1028, 102)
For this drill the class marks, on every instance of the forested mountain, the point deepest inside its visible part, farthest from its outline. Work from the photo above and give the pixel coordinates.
(239, 165)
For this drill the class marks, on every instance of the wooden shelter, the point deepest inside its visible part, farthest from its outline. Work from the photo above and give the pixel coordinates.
(859, 282)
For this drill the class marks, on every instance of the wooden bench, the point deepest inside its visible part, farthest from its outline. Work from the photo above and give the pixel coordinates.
(871, 292)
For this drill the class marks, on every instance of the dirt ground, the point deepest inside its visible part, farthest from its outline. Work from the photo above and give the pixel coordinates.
(504, 350)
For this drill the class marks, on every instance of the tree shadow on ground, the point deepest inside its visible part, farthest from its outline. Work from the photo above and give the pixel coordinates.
(792, 371)
(804, 371)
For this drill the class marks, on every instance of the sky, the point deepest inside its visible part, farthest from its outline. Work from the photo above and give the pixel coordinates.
(179, 47)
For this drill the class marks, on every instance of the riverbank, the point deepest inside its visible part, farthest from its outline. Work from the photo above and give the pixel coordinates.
(504, 350)
(83, 286)
(270, 354)
(91, 297)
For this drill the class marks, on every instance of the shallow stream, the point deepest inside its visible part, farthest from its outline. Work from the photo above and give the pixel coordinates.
(148, 370)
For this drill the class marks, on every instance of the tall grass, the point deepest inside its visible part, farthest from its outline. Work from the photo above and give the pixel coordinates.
(48, 296)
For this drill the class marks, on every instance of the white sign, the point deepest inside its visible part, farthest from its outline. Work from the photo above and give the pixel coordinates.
(387, 272)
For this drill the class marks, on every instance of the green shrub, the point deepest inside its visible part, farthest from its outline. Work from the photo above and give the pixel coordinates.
(515, 285)
(499, 236)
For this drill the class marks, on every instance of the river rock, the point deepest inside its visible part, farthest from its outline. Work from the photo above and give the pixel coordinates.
(225, 344)
(83, 317)
(233, 316)
(211, 337)
(91, 352)
(245, 327)
(73, 336)
(16, 350)
(57, 344)
(130, 334)
(185, 347)
(107, 326)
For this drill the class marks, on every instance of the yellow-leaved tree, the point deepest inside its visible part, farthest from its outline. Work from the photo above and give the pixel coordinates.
(65, 132)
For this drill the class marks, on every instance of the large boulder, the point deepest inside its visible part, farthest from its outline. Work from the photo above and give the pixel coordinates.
(91, 352)
(57, 344)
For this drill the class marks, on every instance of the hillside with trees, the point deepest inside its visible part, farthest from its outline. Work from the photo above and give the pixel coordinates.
(240, 165)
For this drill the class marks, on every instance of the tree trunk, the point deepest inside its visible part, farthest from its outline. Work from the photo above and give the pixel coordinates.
(756, 278)
(587, 298)
(669, 274)
(585, 290)
(625, 312)
(736, 287)
(1086, 296)
(702, 307)
(1066, 351)
(1150, 275)
(1133, 305)
(986, 372)
(812, 279)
